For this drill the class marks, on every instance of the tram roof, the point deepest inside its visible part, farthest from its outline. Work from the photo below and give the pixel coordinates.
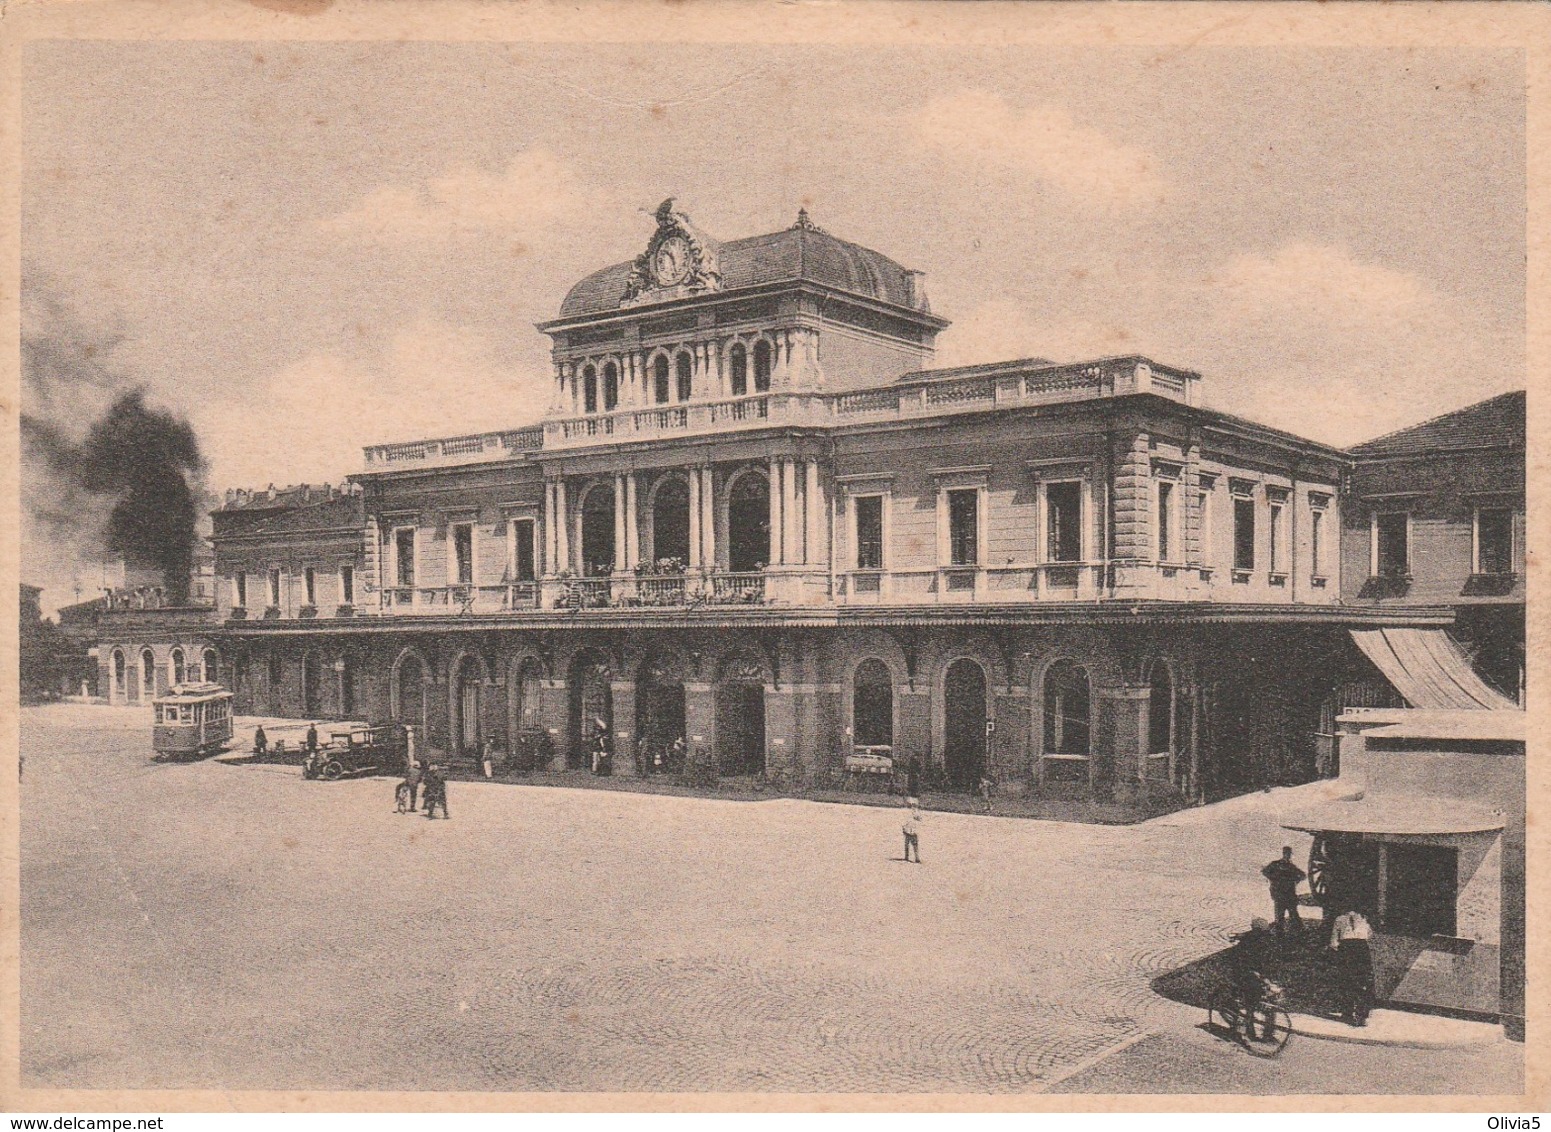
(187, 693)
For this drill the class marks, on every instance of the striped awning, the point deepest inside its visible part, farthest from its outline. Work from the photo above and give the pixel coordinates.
(1429, 669)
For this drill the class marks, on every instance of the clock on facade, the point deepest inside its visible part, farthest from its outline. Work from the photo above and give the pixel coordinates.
(670, 263)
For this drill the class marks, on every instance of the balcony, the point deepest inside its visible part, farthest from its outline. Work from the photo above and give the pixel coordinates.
(473, 449)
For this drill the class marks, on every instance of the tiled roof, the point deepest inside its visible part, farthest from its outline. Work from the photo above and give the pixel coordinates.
(344, 512)
(802, 253)
(1498, 421)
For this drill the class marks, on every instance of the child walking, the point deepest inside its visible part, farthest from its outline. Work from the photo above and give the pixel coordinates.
(912, 831)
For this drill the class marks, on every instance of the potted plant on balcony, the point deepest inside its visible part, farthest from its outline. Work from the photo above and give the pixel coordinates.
(238, 613)
(308, 611)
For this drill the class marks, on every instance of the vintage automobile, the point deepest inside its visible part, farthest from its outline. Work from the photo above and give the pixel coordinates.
(191, 720)
(357, 751)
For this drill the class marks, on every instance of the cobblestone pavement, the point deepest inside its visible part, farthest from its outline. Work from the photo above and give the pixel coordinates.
(204, 925)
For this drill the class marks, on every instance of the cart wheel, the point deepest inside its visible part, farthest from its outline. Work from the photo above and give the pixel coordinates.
(1319, 868)
(333, 769)
(1266, 1030)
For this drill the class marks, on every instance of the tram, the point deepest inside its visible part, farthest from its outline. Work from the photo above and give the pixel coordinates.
(191, 720)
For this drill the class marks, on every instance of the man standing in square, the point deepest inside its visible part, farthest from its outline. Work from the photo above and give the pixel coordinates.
(1284, 877)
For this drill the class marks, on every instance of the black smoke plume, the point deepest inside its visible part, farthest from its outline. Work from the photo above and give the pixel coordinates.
(129, 485)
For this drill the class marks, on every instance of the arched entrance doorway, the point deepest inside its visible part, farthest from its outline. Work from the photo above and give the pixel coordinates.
(212, 668)
(740, 719)
(526, 688)
(670, 522)
(409, 696)
(147, 674)
(120, 677)
(178, 672)
(592, 707)
(598, 531)
(964, 724)
(748, 524)
(659, 709)
(466, 722)
(312, 685)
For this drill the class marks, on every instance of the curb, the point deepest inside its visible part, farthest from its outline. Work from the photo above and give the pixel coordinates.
(1418, 1031)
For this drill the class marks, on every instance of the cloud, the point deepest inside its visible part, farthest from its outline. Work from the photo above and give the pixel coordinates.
(978, 127)
(1310, 338)
(1002, 330)
(536, 192)
(312, 418)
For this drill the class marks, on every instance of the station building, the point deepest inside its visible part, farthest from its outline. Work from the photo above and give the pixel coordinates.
(758, 525)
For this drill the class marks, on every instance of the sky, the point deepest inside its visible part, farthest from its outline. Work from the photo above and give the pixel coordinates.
(310, 247)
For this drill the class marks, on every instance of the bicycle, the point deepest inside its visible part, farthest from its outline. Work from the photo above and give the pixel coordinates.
(1263, 1027)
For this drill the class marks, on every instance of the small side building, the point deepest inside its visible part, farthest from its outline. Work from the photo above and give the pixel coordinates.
(1429, 847)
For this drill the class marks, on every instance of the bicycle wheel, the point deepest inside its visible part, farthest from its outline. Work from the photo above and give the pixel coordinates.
(1265, 1029)
(1223, 1014)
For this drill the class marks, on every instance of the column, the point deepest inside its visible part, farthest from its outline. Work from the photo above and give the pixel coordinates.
(718, 371)
(632, 524)
(707, 518)
(694, 519)
(619, 524)
(791, 541)
(812, 512)
(778, 375)
(775, 511)
(562, 528)
(551, 554)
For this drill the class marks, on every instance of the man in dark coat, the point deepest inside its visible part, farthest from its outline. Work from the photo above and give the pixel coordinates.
(1284, 877)
(435, 792)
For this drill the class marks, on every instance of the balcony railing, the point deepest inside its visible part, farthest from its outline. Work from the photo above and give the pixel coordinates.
(971, 389)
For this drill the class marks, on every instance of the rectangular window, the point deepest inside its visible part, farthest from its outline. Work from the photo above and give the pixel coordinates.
(310, 585)
(523, 564)
(240, 589)
(869, 532)
(1165, 521)
(274, 586)
(1392, 552)
(1243, 534)
(1317, 543)
(463, 553)
(347, 584)
(1063, 521)
(404, 554)
(1274, 533)
(964, 527)
(1494, 540)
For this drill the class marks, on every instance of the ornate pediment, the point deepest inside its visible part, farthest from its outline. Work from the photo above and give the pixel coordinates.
(679, 261)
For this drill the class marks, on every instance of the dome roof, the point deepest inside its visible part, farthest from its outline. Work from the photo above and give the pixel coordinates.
(800, 253)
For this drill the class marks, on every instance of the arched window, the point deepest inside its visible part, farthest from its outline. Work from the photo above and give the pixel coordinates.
(670, 522)
(610, 387)
(684, 369)
(660, 380)
(872, 705)
(1160, 710)
(748, 524)
(589, 390)
(120, 679)
(178, 670)
(598, 531)
(1066, 710)
(147, 673)
(738, 370)
(212, 670)
(761, 366)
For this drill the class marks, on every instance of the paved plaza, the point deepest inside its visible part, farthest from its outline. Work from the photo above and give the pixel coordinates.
(220, 926)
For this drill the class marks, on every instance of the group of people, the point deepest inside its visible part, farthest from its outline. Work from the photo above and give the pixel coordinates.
(425, 783)
(1348, 945)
